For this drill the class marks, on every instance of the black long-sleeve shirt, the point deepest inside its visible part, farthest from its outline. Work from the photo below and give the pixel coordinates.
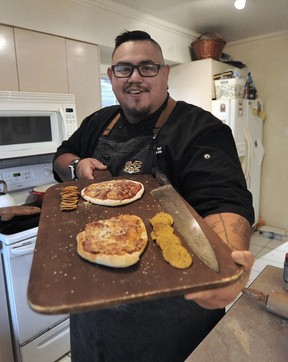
(195, 150)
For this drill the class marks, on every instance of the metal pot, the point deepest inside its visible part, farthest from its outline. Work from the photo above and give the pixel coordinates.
(5, 198)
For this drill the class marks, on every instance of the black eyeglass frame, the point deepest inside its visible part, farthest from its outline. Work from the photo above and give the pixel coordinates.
(158, 67)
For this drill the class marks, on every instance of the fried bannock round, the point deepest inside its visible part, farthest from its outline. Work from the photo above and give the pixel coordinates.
(170, 244)
(161, 229)
(161, 218)
(166, 240)
(177, 256)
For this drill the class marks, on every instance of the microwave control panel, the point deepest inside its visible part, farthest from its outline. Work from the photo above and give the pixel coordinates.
(71, 120)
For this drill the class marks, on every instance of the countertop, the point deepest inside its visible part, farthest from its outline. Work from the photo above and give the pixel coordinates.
(248, 332)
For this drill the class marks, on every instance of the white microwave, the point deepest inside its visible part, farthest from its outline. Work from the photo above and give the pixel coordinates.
(35, 123)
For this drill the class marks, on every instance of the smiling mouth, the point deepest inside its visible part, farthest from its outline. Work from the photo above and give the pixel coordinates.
(135, 91)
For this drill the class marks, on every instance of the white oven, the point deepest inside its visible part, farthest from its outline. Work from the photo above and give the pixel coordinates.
(35, 337)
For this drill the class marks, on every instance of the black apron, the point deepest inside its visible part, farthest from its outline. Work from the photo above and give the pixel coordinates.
(161, 330)
(136, 156)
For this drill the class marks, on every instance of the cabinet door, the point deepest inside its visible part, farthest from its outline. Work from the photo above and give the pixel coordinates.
(84, 76)
(193, 82)
(8, 68)
(41, 62)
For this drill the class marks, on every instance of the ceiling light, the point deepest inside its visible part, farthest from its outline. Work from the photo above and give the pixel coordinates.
(240, 4)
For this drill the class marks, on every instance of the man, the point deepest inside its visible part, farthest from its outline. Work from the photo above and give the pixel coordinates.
(198, 155)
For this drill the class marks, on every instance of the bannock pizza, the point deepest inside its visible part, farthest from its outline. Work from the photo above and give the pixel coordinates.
(116, 242)
(113, 193)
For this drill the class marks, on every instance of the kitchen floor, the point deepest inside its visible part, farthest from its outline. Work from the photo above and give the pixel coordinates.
(266, 252)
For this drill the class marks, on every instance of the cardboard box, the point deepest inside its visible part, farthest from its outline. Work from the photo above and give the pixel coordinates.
(230, 88)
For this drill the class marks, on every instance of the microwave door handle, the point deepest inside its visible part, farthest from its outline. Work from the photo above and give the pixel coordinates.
(23, 250)
(62, 124)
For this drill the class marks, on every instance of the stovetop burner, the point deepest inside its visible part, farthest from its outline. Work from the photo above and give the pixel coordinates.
(19, 224)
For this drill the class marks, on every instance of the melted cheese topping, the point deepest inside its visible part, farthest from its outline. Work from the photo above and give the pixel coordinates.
(114, 236)
(113, 190)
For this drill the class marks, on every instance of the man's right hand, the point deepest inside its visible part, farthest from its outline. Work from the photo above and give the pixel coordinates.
(84, 169)
(87, 166)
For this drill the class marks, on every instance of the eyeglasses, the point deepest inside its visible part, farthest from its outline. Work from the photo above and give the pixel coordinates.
(145, 70)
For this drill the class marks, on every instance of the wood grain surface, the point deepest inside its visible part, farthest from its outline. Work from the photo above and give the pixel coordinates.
(62, 282)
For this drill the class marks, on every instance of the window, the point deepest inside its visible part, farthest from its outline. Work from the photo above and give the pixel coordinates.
(107, 95)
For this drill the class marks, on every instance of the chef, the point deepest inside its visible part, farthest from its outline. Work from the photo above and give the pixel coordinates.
(198, 155)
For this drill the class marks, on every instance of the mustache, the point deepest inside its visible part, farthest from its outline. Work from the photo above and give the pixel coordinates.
(130, 88)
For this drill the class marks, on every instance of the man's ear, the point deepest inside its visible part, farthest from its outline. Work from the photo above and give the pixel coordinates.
(109, 73)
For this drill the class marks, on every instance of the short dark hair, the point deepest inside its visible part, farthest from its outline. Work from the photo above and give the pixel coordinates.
(137, 35)
(131, 35)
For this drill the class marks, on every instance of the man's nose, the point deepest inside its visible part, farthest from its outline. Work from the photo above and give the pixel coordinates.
(135, 74)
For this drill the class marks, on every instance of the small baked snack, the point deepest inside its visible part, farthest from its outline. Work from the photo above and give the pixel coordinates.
(113, 193)
(69, 198)
(117, 242)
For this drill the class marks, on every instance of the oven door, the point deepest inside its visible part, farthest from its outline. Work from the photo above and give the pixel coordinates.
(27, 324)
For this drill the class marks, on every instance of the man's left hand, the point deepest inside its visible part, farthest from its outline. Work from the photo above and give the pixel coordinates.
(221, 297)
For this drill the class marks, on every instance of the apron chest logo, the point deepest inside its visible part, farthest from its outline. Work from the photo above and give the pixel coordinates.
(133, 166)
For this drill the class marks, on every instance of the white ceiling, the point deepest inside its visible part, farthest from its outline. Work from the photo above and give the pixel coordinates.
(259, 17)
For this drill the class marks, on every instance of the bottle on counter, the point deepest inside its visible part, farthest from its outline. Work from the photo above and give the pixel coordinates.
(285, 271)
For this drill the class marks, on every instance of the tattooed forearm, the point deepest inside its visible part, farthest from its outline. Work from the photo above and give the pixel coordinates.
(217, 223)
(233, 229)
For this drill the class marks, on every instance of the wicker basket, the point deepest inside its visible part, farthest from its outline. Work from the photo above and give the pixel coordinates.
(210, 47)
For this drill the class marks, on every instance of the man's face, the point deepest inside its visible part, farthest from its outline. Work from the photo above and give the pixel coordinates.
(139, 96)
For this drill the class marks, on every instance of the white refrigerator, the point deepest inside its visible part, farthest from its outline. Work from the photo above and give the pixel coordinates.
(243, 117)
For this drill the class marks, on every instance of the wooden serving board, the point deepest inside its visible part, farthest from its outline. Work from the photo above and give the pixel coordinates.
(62, 282)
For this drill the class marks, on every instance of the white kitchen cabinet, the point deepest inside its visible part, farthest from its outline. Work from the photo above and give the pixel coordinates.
(193, 82)
(8, 67)
(84, 76)
(31, 61)
(41, 60)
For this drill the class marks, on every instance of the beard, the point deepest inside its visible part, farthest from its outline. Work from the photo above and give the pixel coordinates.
(135, 109)
(135, 114)
(138, 113)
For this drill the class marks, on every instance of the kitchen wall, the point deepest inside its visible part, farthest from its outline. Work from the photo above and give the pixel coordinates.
(98, 22)
(267, 60)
